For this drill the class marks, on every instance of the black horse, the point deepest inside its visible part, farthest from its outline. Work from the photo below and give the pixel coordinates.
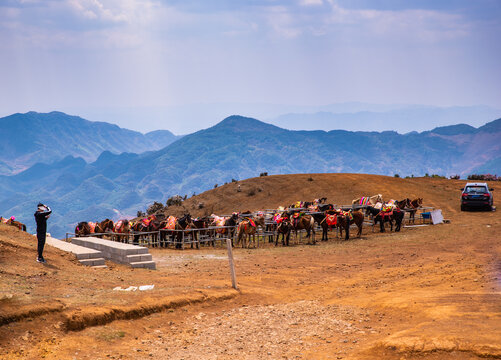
(396, 214)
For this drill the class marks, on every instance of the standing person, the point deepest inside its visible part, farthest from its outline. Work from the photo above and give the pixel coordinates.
(42, 214)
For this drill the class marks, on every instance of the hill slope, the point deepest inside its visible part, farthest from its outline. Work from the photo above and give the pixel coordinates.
(33, 137)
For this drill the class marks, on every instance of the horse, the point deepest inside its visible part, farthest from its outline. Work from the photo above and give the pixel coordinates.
(82, 229)
(306, 222)
(414, 205)
(345, 218)
(177, 227)
(387, 214)
(199, 225)
(104, 226)
(247, 229)
(227, 225)
(402, 204)
(122, 230)
(326, 220)
(284, 228)
(371, 200)
(150, 224)
(12, 222)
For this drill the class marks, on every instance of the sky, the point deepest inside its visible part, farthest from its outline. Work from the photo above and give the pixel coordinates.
(184, 64)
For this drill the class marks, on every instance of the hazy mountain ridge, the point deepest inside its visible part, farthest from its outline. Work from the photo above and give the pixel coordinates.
(403, 118)
(236, 148)
(27, 139)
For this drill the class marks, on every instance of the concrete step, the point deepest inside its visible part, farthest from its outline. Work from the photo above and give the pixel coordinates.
(80, 252)
(138, 258)
(118, 252)
(144, 264)
(99, 267)
(92, 262)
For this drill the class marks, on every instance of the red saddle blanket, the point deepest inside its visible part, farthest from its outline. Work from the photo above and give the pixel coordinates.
(331, 220)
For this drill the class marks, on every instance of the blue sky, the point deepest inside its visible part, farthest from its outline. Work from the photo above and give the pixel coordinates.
(118, 59)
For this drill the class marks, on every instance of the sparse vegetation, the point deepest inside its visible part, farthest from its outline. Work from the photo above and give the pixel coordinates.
(251, 192)
(155, 207)
(396, 175)
(263, 174)
(175, 200)
(310, 179)
(454, 177)
(140, 213)
(487, 177)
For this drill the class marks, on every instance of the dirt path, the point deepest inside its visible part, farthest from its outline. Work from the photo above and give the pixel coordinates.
(431, 293)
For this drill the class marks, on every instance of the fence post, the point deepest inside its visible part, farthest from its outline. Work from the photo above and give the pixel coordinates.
(232, 265)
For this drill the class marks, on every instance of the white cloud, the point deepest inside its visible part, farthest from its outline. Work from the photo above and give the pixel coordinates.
(311, 2)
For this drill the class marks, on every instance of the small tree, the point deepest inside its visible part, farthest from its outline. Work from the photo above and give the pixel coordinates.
(155, 207)
(174, 200)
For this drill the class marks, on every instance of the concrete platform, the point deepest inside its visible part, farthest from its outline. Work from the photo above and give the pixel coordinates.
(135, 256)
(86, 256)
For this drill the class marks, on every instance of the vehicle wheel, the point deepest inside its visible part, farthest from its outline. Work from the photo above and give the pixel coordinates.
(463, 207)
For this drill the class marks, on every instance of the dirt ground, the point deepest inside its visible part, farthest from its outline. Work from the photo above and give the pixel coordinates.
(424, 293)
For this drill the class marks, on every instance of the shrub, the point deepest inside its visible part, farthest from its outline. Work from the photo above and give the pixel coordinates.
(454, 177)
(215, 186)
(488, 177)
(396, 175)
(263, 174)
(174, 200)
(251, 192)
(140, 213)
(155, 207)
(233, 180)
(310, 179)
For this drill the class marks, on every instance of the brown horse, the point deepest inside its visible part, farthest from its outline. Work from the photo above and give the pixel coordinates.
(414, 205)
(12, 222)
(122, 230)
(247, 229)
(304, 222)
(82, 229)
(103, 227)
(226, 225)
(346, 218)
(175, 227)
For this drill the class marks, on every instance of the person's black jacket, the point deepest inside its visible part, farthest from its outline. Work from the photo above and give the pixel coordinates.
(41, 219)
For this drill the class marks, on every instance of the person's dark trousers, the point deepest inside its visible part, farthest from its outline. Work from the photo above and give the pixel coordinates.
(41, 244)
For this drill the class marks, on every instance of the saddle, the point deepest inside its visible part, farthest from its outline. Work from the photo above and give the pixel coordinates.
(386, 211)
(118, 226)
(331, 220)
(92, 226)
(364, 200)
(171, 223)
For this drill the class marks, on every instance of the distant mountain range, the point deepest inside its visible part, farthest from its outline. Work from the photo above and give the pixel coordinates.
(27, 139)
(237, 148)
(403, 119)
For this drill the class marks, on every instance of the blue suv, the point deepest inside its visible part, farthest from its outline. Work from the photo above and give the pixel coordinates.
(476, 195)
